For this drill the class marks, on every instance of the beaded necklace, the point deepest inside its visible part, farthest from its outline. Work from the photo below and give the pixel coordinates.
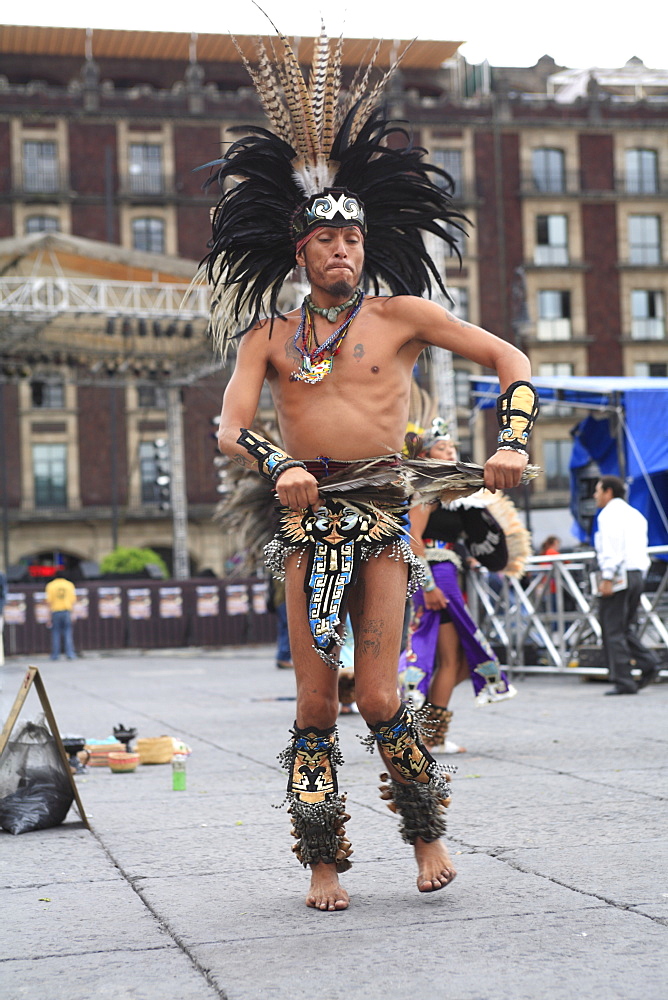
(314, 365)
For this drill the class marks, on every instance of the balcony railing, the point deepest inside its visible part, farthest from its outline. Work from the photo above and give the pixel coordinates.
(146, 183)
(551, 184)
(648, 329)
(550, 256)
(645, 256)
(643, 187)
(42, 179)
(554, 329)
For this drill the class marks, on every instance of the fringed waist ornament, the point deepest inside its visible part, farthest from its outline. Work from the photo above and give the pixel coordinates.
(338, 537)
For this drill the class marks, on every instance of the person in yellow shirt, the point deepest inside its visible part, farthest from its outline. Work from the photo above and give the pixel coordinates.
(61, 598)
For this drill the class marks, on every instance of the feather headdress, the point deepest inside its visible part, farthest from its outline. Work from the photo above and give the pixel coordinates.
(322, 142)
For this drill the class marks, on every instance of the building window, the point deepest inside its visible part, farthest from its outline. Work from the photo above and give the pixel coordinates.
(148, 234)
(460, 303)
(554, 315)
(40, 166)
(449, 160)
(42, 224)
(458, 236)
(148, 470)
(547, 166)
(651, 369)
(644, 239)
(556, 459)
(555, 369)
(462, 388)
(48, 395)
(145, 168)
(551, 240)
(152, 397)
(642, 174)
(647, 315)
(49, 462)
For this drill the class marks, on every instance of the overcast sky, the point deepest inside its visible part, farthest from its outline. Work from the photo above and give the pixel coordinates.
(576, 33)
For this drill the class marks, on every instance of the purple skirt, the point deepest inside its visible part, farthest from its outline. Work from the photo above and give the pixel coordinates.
(418, 660)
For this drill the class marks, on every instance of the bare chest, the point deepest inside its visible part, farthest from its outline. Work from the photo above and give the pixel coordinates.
(365, 355)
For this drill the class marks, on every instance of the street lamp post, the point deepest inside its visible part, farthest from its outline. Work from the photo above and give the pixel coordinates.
(3, 481)
(181, 561)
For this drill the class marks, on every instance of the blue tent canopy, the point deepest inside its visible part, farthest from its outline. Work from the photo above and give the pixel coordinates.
(625, 433)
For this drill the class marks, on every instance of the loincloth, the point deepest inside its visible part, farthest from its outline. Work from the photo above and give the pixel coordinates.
(346, 529)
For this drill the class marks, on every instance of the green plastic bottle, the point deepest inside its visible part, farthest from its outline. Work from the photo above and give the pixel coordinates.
(179, 772)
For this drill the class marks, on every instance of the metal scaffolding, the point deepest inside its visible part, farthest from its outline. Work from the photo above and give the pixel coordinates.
(44, 297)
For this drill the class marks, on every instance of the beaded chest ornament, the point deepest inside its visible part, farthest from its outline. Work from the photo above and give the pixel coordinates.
(314, 364)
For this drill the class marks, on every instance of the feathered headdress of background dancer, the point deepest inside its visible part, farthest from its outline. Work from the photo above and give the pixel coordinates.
(327, 161)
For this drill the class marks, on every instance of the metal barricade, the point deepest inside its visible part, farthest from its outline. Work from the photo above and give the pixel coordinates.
(547, 621)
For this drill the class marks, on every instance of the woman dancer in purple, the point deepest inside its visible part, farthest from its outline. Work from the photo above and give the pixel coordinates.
(444, 645)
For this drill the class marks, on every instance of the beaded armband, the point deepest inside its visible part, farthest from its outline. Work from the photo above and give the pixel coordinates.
(516, 412)
(271, 460)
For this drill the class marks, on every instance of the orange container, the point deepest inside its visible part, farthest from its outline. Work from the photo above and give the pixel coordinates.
(123, 762)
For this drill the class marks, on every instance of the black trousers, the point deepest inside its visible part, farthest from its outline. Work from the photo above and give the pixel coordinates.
(617, 617)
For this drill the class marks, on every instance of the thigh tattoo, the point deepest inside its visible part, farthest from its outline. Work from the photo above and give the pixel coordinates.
(371, 635)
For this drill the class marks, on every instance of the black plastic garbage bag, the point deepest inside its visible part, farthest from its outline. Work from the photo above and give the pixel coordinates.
(35, 792)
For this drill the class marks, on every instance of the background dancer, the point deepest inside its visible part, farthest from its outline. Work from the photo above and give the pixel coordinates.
(444, 645)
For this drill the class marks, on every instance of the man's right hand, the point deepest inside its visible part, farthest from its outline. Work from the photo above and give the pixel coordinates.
(296, 488)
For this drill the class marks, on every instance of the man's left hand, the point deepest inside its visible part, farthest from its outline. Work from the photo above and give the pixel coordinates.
(605, 588)
(504, 469)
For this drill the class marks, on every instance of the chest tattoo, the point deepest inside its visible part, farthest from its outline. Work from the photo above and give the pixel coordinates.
(291, 351)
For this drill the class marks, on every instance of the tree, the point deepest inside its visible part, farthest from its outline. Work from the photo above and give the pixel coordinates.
(132, 561)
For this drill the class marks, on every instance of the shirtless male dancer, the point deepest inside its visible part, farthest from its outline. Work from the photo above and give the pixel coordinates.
(359, 411)
(341, 404)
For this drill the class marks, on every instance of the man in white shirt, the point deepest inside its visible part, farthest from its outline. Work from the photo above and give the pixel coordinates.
(621, 550)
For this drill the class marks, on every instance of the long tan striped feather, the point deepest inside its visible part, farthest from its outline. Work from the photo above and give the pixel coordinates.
(309, 115)
(364, 62)
(368, 100)
(331, 111)
(359, 82)
(298, 97)
(368, 103)
(294, 111)
(270, 94)
(266, 84)
(337, 62)
(317, 83)
(295, 106)
(329, 123)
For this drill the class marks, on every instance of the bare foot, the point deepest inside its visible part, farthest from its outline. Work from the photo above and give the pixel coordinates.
(435, 869)
(326, 893)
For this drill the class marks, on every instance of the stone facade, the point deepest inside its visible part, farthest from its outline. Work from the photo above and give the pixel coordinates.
(566, 198)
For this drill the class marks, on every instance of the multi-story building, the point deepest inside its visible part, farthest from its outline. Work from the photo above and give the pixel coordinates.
(562, 174)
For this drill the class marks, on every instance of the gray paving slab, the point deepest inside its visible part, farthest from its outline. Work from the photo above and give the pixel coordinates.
(582, 953)
(558, 830)
(63, 854)
(118, 974)
(490, 887)
(600, 870)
